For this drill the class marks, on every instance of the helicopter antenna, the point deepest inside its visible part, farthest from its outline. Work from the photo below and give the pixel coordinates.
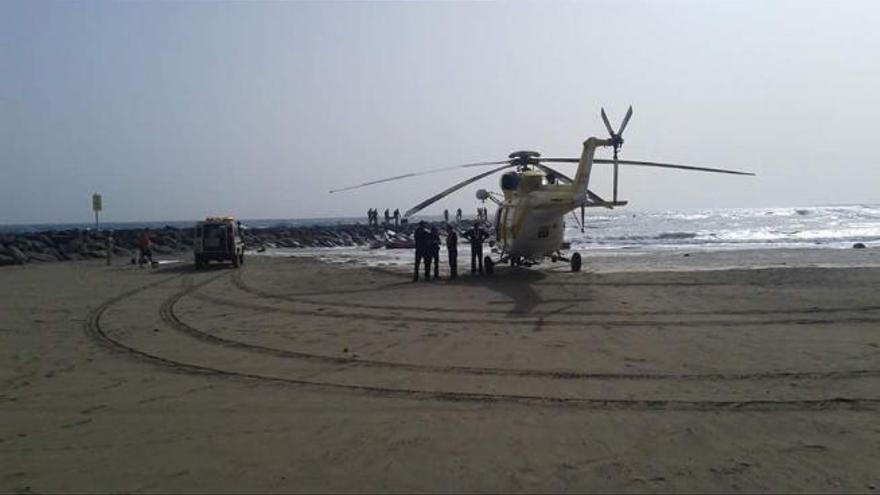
(616, 140)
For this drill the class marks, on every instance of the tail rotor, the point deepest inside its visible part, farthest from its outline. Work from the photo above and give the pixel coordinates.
(616, 140)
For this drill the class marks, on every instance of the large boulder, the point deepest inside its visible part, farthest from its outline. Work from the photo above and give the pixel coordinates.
(17, 254)
(68, 256)
(74, 246)
(41, 257)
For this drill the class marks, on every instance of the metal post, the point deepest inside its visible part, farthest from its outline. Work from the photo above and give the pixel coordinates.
(108, 244)
(615, 174)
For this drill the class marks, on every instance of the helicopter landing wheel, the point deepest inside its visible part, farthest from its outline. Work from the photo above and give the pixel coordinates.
(489, 265)
(576, 262)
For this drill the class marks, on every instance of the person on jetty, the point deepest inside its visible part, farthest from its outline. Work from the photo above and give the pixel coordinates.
(452, 250)
(476, 235)
(396, 217)
(387, 216)
(435, 251)
(145, 248)
(422, 238)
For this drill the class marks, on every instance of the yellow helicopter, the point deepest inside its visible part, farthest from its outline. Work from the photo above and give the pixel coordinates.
(535, 198)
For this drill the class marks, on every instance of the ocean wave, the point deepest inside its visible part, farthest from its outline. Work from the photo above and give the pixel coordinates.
(677, 235)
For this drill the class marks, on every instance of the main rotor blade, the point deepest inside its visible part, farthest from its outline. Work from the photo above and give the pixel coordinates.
(415, 174)
(649, 164)
(447, 192)
(629, 113)
(607, 124)
(568, 180)
(559, 175)
(673, 165)
(560, 160)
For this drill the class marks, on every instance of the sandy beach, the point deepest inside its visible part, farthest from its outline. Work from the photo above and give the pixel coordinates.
(657, 373)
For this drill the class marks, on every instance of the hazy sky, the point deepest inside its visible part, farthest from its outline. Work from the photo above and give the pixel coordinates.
(178, 110)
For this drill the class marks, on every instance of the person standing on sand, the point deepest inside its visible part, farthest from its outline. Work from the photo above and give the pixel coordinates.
(421, 237)
(476, 235)
(435, 251)
(145, 246)
(452, 250)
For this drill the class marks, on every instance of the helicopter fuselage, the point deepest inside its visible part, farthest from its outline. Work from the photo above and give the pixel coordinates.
(531, 225)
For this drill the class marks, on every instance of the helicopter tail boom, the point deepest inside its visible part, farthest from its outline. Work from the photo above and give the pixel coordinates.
(585, 167)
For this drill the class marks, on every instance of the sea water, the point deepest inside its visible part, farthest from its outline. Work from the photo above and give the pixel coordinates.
(729, 228)
(631, 234)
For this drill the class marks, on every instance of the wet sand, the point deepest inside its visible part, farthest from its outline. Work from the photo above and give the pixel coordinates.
(296, 375)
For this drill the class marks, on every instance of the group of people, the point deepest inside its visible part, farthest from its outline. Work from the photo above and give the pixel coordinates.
(457, 216)
(428, 249)
(373, 217)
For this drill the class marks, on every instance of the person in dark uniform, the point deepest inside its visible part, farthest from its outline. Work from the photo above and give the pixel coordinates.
(452, 251)
(458, 215)
(422, 238)
(435, 251)
(476, 235)
(387, 216)
(396, 217)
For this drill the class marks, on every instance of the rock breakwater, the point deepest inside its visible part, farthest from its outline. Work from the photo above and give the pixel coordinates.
(76, 244)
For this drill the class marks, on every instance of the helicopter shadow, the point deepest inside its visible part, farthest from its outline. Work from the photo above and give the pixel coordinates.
(516, 285)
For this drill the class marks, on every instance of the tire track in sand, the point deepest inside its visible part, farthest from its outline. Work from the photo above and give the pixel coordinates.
(93, 328)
